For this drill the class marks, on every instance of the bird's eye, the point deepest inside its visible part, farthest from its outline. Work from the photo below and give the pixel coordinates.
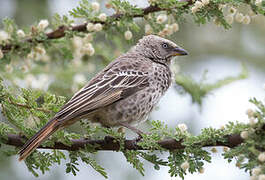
(165, 45)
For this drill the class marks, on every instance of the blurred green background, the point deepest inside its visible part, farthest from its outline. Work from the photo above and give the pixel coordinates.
(212, 49)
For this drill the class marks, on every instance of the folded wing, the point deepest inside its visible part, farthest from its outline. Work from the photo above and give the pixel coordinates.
(102, 92)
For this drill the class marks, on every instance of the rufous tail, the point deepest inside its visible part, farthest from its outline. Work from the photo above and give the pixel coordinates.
(38, 138)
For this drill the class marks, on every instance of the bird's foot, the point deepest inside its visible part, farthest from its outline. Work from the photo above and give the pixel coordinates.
(135, 130)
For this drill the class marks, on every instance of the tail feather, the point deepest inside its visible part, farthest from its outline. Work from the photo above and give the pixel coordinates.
(38, 138)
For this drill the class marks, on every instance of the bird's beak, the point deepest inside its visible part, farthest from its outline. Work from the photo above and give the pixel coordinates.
(179, 52)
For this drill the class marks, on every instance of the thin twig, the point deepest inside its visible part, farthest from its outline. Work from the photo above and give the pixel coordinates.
(28, 107)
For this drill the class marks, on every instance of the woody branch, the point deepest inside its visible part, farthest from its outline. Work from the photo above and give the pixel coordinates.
(60, 31)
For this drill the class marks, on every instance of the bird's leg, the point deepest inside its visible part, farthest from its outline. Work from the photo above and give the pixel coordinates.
(135, 130)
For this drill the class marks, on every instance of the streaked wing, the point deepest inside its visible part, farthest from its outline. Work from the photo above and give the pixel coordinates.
(103, 92)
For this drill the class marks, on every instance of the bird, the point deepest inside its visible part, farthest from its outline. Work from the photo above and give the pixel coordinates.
(122, 94)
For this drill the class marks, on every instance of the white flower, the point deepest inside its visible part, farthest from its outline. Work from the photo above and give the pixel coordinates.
(185, 165)
(175, 27)
(1, 54)
(244, 134)
(252, 121)
(95, 6)
(9, 68)
(205, 2)
(232, 11)
(168, 30)
(250, 113)
(98, 27)
(239, 17)
(79, 79)
(77, 42)
(183, 127)
(20, 33)
(194, 9)
(258, 2)
(256, 171)
(261, 157)
(246, 20)
(201, 170)
(161, 18)
(198, 4)
(148, 29)
(90, 27)
(88, 49)
(88, 38)
(40, 50)
(262, 177)
(4, 36)
(229, 19)
(128, 35)
(24, 68)
(43, 24)
(102, 17)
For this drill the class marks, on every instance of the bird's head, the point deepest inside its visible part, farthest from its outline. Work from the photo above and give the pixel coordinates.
(159, 49)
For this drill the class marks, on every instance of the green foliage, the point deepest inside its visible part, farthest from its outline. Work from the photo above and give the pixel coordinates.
(86, 158)
(199, 90)
(247, 153)
(133, 158)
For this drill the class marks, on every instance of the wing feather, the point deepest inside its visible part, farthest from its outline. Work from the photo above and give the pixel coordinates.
(102, 93)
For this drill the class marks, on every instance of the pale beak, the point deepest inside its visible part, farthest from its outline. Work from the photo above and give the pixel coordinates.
(179, 52)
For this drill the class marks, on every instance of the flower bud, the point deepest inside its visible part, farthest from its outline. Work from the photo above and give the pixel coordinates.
(148, 29)
(183, 127)
(89, 27)
(175, 27)
(20, 33)
(97, 27)
(261, 157)
(43, 24)
(95, 6)
(185, 165)
(161, 18)
(229, 19)
(128, 35)
(239, 17)
(102, 17)
(256, 171)
(244, 134)
(246, 20)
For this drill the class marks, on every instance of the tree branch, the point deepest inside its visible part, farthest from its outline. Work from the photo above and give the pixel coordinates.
(60, 31)
(110, 144)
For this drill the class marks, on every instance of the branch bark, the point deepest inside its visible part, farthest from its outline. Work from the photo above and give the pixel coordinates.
(108, 143)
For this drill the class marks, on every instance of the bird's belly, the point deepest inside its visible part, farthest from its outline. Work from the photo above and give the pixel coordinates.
(132, 110)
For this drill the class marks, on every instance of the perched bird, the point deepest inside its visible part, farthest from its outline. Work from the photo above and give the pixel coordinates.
(123, 93)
